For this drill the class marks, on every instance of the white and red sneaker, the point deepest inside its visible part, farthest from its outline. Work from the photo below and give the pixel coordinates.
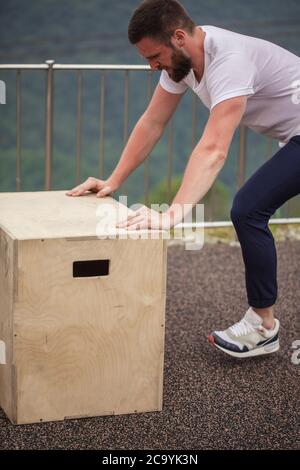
(247, 338)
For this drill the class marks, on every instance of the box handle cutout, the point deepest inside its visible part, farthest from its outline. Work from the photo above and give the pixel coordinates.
(93, 268)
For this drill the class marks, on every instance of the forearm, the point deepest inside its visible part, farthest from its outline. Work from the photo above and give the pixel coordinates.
(202, 170)
(140, 143)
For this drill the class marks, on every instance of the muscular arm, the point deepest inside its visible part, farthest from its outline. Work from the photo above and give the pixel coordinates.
(146, 133)
(144, 136)
(209, 155)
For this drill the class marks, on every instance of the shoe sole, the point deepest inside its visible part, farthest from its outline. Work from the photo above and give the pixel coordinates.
(268, 349)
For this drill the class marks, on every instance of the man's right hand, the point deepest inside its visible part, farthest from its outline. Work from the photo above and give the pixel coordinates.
(101, 187)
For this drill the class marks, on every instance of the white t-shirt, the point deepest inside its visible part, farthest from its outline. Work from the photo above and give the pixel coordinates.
(238, 65)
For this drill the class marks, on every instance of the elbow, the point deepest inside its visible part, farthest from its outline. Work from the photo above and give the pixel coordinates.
(213, 150)
(219, 159)
(221, 156)
(213, 159)
(152, 125)
(216, 155)
(217, 152)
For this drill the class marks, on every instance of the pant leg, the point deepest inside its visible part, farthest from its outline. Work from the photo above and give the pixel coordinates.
(265, 191)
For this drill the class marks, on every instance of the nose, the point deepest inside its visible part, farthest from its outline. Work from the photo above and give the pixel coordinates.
(153, 64)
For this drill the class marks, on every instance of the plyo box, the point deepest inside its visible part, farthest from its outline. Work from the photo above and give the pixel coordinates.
(82, 316)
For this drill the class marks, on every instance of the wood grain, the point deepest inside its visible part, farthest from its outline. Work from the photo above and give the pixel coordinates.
(52, 214)
(89, 346)
(7, 285)
(77, 346)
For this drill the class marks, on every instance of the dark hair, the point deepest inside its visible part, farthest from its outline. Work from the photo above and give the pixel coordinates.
(158, 19)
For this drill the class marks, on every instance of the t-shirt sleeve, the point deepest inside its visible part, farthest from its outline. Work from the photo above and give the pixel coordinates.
(231, 75)
(169, 85)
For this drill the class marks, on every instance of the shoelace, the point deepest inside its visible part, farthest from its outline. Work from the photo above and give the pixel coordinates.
(242, 328)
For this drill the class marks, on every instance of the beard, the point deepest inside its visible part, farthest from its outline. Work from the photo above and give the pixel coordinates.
(181, 66)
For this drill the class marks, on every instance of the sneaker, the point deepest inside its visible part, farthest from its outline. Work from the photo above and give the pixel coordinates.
(247, 338)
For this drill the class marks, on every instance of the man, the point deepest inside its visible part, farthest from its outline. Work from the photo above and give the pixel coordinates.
(241, 80)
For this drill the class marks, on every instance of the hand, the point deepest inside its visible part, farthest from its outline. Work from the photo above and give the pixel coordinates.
(101, 187)
(145, 218)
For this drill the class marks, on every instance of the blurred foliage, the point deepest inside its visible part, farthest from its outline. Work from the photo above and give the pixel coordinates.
(216, 201)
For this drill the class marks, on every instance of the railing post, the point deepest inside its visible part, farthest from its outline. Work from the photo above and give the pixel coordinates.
(242, 157)
(269, 148)
(78, 133)
(102, 118)
(194, 120)
(147, 161)
(49, 125)
(126, 106)
(170, 161)
(126, 118)
(18, 130)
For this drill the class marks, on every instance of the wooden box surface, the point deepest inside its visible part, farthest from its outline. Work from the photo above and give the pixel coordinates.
(81, 317)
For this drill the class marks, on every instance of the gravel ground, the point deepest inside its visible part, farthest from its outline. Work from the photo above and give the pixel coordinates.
(211, 401)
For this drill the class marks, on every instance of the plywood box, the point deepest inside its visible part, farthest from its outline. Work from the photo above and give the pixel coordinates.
(81, 316)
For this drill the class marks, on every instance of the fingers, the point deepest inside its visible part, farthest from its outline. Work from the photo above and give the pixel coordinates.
(105, 191)
(132, 221)
(77, 191)
(143, 218)
(89, 185)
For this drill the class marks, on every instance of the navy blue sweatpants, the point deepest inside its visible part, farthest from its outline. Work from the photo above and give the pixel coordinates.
(268, 188)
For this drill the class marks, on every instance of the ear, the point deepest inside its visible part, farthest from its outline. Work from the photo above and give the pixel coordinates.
(179, 37)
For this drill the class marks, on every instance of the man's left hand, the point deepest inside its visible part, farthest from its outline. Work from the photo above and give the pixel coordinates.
(145, 218)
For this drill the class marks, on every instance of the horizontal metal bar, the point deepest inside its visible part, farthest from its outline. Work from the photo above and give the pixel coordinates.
(291, 220)
(226, 223)
(77, 67)
(101, 67)
(24, 66)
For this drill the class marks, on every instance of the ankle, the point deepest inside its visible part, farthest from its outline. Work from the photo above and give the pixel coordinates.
(269, 324)
(267, 316)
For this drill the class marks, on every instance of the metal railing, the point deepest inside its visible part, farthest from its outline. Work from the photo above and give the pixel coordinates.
(51, 68)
